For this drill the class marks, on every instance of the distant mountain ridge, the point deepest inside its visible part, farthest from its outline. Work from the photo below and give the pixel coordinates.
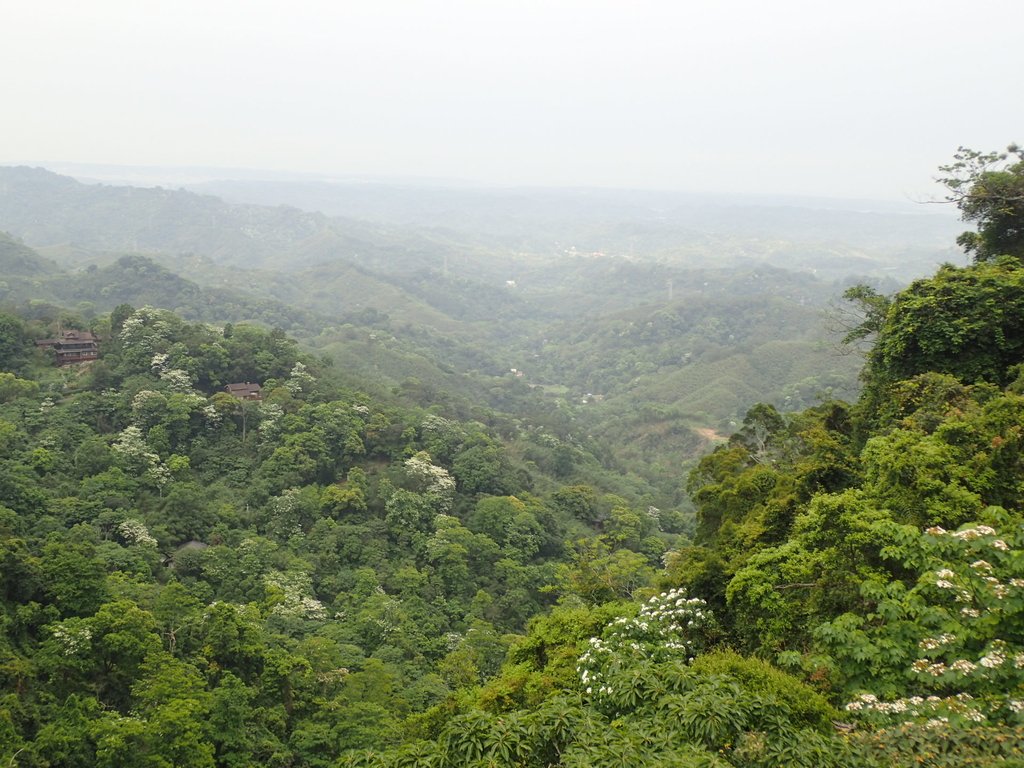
(491, 232)
(648, 224)
(47, 209)
(25, 276)
(18, 260)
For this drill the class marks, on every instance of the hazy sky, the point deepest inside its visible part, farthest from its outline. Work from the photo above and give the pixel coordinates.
(838, 98)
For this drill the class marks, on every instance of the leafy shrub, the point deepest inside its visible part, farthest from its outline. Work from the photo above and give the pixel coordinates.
(806, 707)
(939, 745)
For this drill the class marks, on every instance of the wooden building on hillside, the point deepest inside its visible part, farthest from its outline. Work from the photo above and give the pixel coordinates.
(72, 347)
(246, 391)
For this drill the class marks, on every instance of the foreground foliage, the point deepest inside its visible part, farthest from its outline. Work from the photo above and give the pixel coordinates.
(192, 579)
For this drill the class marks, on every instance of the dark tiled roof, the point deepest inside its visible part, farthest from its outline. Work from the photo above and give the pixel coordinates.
(247, 389)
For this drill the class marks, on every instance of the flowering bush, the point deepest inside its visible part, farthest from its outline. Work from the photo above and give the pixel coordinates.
(159, 362)
(668, 627)
(73, 636)
(952, 644)
(212, 416)
(147, 407)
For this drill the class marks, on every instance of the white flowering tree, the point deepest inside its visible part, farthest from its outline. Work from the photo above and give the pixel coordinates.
(441, 437)
(290, 596)
(148, 408)
(145, 336)
(432, 481)
(948, 643)
(669, 627)
(134, 533)
(177, 379)
(135, 455)
(299, 380)
(270, 415)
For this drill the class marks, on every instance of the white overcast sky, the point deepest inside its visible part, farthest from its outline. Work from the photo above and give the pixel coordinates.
(851, 99)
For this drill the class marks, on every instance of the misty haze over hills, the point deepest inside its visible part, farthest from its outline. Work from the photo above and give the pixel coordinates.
(698, 305)
(900, 239)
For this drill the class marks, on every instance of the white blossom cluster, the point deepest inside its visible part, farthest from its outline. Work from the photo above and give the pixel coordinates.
(132, 445)
(270, 420)
(996, 656)
(212, 416)
(145, 329)
(282, 510)
(158, 474)
(437, 425)
(967, 534)
(135, 532)
(158, 364)
(919, 706)
(72, 639)
(330, 676)
(295, 596)
(931, 643)
(935, 669)
(668, 626)
(144, 397)
(979, 588)
(992, 659)
(972, 533)
(979, 581)
(131, 328)
(177, 379)
(388, 608)
(286, 503)
(436, 481)
(299, 379)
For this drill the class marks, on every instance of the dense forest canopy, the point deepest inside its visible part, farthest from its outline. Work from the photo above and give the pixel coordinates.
(340, 575)
(692, 308)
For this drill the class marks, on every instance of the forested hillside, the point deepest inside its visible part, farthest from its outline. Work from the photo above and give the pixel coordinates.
(691, 309)
(330, 577)
(318, 564)
(100, 218)
(873, 550)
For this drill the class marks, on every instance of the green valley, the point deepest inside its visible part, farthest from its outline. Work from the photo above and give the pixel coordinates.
(509, 478)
